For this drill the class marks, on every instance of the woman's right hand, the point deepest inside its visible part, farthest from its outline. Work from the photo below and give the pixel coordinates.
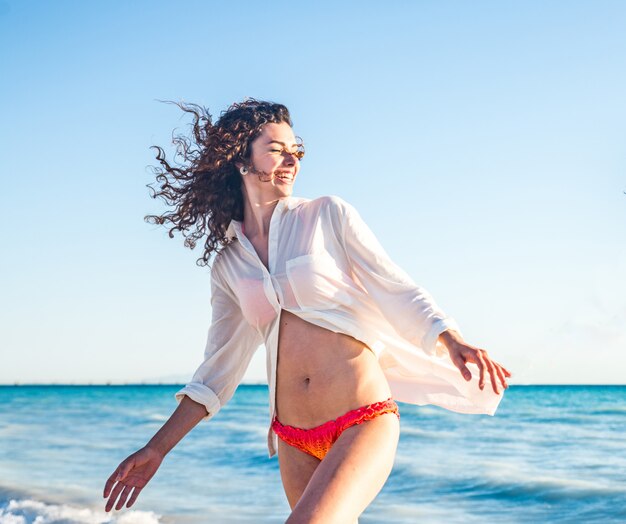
(133, 472)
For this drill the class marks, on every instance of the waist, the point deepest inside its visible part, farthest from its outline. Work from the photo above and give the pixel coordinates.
(322, 374)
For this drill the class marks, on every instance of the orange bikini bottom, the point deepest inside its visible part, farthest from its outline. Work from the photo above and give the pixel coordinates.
(317, 441)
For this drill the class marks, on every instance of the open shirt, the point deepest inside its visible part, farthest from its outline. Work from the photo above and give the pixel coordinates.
(327, 267)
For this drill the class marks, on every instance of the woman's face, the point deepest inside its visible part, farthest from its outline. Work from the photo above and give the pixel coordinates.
(274, 156)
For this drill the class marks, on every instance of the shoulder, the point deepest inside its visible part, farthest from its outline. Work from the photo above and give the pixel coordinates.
(331, 207)
(339, 212)
(333, 204)
(218, 269)
(216, 265)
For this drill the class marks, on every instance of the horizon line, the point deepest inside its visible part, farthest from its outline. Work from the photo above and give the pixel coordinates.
(118, 384)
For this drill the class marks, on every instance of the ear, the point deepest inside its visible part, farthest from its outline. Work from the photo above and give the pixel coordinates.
(239, 163)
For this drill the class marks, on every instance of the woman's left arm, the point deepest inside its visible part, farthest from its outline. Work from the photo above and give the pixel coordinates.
(409, 308)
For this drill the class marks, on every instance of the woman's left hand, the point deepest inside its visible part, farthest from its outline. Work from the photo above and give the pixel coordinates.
(461, 353)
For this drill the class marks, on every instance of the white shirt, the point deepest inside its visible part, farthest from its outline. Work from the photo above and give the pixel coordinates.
(327, 267)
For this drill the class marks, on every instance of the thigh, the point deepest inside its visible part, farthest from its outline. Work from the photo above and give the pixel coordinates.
(351, 474)
(296, 468)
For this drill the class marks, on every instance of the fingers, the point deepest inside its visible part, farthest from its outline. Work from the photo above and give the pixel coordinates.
(480, 362)
(467, 374)
(501, 372)
(125, 492)
(133, 497)
(110, 483)
(492, 375)
(123, 496)
(494, 371)
(116, 491)
(480, 357)
(117, 476)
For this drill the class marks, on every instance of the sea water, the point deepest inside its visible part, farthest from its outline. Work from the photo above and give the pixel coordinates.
(550, 454)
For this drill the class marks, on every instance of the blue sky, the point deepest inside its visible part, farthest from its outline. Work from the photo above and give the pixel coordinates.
(483, 142)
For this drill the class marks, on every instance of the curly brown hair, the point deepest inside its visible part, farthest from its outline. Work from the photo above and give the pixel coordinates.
(205, 189)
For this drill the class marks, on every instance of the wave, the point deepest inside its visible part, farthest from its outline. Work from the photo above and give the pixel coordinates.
(156, 417)
(30, 511)
(612, 410)
(550, 488)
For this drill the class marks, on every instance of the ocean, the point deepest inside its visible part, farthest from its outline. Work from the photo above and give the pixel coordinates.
(550, 454)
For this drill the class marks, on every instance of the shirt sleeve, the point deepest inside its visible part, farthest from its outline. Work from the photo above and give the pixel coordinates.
(409, 308)
(231, 343)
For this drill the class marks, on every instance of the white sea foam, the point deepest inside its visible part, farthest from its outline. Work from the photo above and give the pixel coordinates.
(14, 430)
(155, 417)
(29, 511)
(547, 485)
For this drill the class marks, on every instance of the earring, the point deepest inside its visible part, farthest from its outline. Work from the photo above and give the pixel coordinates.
(243, 170)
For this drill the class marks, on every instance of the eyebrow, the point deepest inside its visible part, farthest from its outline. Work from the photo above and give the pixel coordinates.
(279, 142)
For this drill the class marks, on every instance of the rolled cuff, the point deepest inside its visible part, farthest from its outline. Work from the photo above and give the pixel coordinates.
(431, 345)
(203, 395)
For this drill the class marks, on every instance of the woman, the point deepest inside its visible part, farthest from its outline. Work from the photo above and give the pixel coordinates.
(345, 329)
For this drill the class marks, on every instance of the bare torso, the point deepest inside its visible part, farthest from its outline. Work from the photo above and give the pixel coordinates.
(321, 374)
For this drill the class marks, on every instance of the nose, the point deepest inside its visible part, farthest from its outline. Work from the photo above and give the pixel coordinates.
(290, 158)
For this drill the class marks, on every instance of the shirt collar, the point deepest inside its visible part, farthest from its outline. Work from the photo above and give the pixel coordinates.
(234, 228)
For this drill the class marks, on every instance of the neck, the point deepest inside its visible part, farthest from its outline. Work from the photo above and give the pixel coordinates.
(257, 217)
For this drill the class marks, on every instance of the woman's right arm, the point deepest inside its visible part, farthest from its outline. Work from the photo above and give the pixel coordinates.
(185, 417)
(231, 343)
(135, 471)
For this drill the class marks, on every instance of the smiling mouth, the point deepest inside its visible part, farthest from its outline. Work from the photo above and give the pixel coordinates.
(284, 177)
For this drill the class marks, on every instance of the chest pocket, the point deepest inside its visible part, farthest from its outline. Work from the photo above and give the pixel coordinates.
(317, 282)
